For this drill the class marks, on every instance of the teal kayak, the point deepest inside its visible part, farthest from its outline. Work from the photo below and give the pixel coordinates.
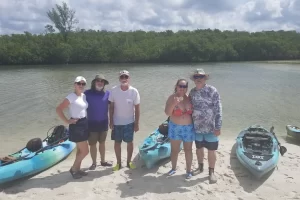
(154, 148)
(26, 163)
(293, 131)
(257, 150)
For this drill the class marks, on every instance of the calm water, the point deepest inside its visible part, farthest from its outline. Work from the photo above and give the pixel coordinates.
(267, 94)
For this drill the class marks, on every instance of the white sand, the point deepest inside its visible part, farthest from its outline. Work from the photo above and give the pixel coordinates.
(234, 181)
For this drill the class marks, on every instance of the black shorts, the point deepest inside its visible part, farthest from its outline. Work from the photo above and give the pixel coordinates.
(79, 132)
(208, 141)
(212, 146)
(98, 126)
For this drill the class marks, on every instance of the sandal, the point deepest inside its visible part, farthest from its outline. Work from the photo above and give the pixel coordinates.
(76, 175)
(106, 164)
(171, 172)
(188, 175)
(82, 173)
(92, 167)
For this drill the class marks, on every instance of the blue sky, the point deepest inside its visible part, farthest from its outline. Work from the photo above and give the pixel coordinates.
(17, 16)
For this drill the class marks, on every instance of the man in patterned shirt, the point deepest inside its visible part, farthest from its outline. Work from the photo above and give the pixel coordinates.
(207, 117)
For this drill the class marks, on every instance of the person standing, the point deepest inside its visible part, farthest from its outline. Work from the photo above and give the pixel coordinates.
(97, 114)
(207, 118)
(181, 129)
(78, 125)
(124, 112)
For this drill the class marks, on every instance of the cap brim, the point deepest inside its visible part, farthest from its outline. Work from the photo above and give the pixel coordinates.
(124, 74)
(106, 81)
(192, 76)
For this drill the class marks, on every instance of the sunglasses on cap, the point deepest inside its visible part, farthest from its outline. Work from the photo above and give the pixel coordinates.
(124, 77)
(78, 83)
(182, 86)
(198, 76)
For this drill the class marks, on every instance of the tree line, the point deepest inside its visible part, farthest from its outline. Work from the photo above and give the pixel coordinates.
(74, 45)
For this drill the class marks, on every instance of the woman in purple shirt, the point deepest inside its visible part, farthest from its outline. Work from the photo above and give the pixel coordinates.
(97, 114)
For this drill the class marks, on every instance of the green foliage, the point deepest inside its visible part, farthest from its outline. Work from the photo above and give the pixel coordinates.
(139, 46)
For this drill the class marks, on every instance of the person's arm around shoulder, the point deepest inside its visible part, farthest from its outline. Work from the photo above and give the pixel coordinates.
(111, 110)
(86, 93)
(218, 112)
(137, 102)
(170, 104)
(63, 105)
(190, 97)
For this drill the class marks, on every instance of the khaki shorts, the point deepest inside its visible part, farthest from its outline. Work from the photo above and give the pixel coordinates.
(95, 137)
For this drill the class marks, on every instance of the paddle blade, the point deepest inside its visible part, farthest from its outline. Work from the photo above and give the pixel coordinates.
(282, 150)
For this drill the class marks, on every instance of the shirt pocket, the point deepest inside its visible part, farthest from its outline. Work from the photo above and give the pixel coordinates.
(129, 101)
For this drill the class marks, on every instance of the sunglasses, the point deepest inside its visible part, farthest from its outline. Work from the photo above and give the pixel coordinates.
(182, 86)
(101, 81)
(78, 83)
(124, 77)
(199, 76)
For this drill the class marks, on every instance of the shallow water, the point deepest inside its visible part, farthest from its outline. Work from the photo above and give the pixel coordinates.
(251, 93)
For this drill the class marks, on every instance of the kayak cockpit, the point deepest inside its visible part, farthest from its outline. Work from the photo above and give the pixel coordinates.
(258, 143)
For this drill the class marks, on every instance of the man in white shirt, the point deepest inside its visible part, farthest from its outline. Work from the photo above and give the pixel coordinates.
(124, 113)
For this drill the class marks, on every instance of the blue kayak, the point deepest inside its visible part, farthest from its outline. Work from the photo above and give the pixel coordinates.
(293, 131)
(155, 148)
(26, 163)
(257, 150)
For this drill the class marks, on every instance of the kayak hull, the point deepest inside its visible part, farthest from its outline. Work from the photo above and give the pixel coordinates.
(33, 164)
(154, 148)
(158, 152)
(257, 150)
(293, 131)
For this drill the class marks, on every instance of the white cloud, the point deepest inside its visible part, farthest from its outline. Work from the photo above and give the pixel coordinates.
(17, 16)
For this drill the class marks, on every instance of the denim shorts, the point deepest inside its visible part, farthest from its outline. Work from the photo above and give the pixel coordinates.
(207, 140)
(79, 132)
(123, 133)
(185, 133)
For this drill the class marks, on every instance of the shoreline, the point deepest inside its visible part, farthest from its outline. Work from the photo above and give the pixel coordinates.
(234, 181)
(295, 61)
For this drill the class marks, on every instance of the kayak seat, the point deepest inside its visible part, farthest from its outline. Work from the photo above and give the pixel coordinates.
(258, 143)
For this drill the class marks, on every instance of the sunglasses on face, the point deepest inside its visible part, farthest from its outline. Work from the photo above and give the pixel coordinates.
(124, 77)
(100, 81)
(199, 76)
(182, 86)
(83, 84)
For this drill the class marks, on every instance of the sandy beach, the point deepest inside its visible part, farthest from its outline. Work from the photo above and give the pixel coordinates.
(234, 181)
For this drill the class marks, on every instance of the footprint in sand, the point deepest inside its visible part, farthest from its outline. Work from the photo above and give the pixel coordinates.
(293, 195)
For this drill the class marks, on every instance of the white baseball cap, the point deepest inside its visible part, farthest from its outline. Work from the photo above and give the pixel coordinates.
(79, 78)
